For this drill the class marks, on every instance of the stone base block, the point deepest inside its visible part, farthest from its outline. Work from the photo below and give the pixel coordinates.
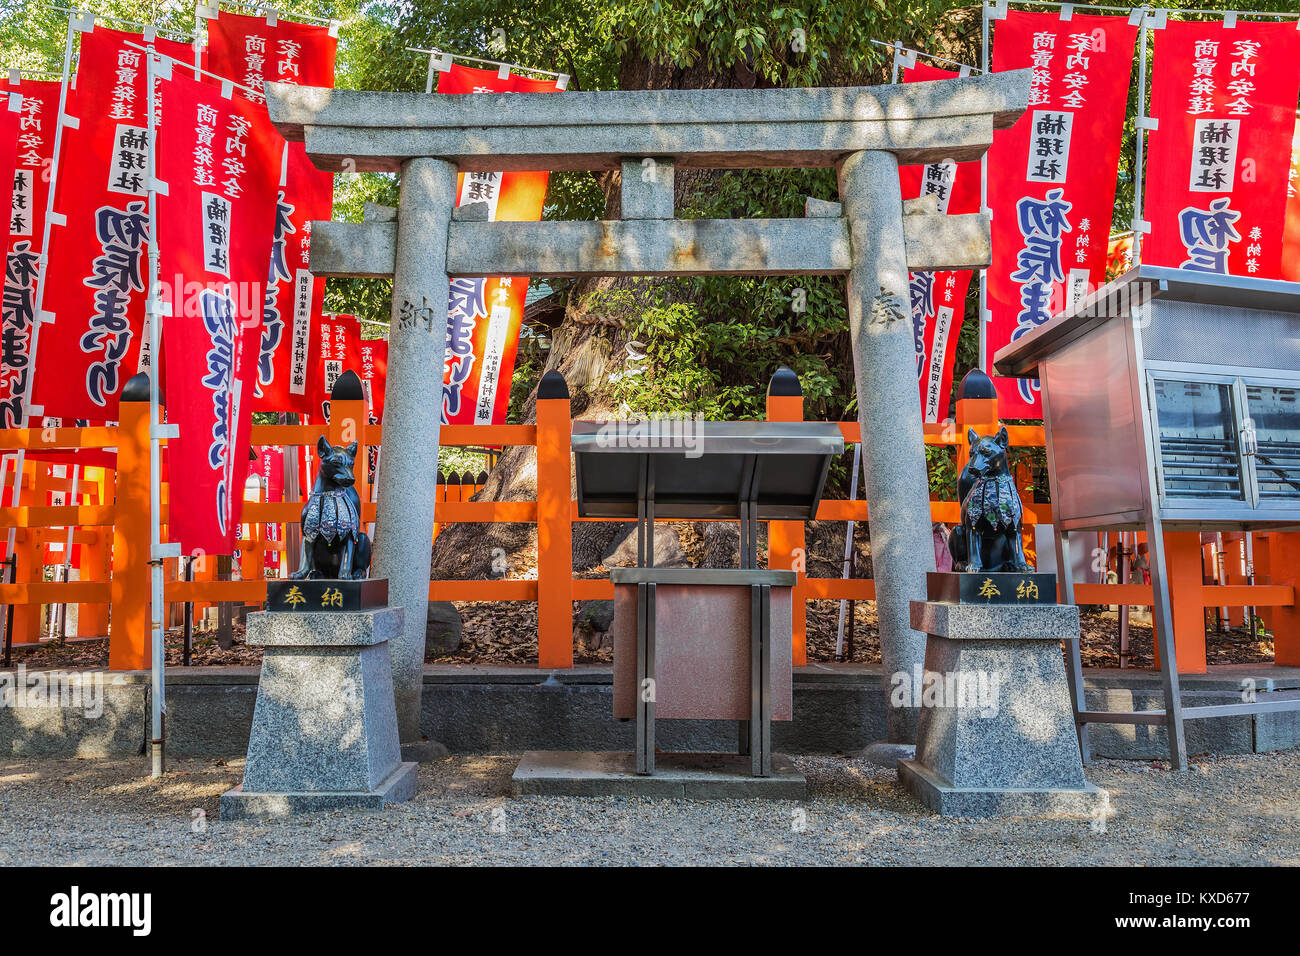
(569, 773)
(398, 787)
(937, 794)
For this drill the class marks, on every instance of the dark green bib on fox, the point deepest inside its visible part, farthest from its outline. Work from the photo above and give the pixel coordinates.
(991, 512)
(333, 544)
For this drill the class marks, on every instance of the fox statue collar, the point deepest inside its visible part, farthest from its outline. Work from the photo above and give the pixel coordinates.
(333, 542)
(991, 512)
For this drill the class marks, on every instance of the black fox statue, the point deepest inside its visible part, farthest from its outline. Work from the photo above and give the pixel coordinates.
(333, 544)
(989, 536)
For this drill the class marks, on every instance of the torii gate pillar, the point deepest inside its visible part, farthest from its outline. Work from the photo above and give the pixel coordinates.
(408, 469)
(893, 444)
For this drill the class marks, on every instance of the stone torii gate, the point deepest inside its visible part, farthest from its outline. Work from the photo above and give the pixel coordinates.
(871, 236)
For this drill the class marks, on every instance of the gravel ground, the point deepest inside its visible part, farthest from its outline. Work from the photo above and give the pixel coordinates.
(1227, 810)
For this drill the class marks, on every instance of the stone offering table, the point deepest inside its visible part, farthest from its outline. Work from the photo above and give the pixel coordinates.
(325, 725)
(996, 734)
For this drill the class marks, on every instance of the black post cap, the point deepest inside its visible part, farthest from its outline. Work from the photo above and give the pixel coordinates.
(785, 382)
(136, 388)
(976, 385)
(347, 388)
(553, 385)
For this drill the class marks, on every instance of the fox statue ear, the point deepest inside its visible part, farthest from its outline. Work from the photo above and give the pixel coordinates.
(1002, 438)
(322, 446)
(971, 437)
(352, 450)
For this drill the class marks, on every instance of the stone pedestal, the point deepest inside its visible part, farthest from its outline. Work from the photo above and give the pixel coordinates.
(325, 727)
(996, 734)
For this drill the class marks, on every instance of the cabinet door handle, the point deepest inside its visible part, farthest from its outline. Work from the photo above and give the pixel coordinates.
(1249, 443)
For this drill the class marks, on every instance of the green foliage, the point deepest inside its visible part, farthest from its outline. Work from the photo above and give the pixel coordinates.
(712, 343)
(941, 462)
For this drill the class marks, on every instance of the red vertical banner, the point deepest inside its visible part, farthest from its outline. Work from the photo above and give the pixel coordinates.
(1217, 173)
(1051, 177)
(340, 351)
(11, 107)
(252, 51)
(94, 290)
(485, 314)
(1291, 236)
(214, 226)
(374, 374)
(938, 299)
(270, 463)
(34, 152)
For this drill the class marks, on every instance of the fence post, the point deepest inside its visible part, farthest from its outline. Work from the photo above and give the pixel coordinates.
(92, 619)
(554, 524)
(1284, 568)
(129, 636)
(1184, 571)
(786, 544)
(29, 553)
(1264, 544)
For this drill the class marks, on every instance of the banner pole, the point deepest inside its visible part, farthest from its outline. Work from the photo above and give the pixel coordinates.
(1140, 122)
(153, 316)
(982, 325)
(428, 76)
(848, 548)
(43, 260)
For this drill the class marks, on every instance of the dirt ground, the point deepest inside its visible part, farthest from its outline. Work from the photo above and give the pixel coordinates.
(1229, 810)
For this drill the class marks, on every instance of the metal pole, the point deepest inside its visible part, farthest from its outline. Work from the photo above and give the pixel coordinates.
(1123, 607)
(188, 650)
(292, 492)
(1138, 223)
(1162, 621)
(1250, 579)
(848, 548)
(982, 325)
(434, 57)
(11, 563)
(67, 551)
(4, 478)
(153, 314)
(1221, 576)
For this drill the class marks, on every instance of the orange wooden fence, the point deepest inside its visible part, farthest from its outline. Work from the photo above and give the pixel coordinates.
(112, 529)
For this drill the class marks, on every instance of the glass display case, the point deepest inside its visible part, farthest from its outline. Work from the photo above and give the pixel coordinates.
(1171, 402)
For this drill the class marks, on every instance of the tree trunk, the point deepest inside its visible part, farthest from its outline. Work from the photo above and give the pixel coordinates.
(586, 348)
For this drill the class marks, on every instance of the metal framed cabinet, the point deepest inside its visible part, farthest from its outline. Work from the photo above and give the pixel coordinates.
(750, 471)
(1171, 402)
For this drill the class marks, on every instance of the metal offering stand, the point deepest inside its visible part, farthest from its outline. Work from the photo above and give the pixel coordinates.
(686, 621)
(701, 643)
